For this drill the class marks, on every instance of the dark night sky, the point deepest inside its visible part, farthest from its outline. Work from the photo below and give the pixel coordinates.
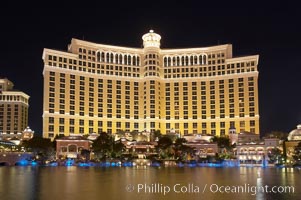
(271, 30)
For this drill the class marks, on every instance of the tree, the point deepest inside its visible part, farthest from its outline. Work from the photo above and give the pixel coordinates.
(164, 142)
(134, 135)
(85, 154)
(41, 147)
(225, 146)
(222, 142)
(121, 132)
(58, 136)
(118, 148)
(165, 147)
(157, 134)
(275, 156)
(179, 146)
(278, 134)
(297, 153)
(38, 144)
(180, 142)
(182, 151)
(103, 145)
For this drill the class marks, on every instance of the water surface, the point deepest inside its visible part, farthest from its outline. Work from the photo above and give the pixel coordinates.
(78, 183)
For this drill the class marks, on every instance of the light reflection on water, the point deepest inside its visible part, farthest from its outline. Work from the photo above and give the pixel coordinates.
(77, 183)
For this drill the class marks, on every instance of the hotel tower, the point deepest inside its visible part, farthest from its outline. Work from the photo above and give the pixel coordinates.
(96, 87)
(13, 109)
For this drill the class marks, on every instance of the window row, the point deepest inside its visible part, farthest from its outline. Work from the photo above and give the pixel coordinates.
(118, 58)
(185, 60)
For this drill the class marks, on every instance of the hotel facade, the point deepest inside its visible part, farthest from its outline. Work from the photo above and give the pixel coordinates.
(13, 109)
(96, 87)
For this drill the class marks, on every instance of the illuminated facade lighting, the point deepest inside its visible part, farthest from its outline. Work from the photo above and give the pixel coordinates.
(13, 109)
(95, 87)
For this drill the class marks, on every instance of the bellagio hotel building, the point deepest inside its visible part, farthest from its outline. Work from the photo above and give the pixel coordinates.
(95, 87)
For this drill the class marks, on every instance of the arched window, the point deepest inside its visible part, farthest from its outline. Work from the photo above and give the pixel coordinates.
(125, 59)
(120, 59)
(116, 58)
(201, 59)
(165, 62)
(134, 60)
(178, 61)
(173, 61)
(111, 58)
(107, 57)
(204, 59)
(98, 56)
(138, 61)
(183, 60)
(195, 60)
(168, 61)
(102, 57)
(191, 60)
(129, 60)
(186, 60)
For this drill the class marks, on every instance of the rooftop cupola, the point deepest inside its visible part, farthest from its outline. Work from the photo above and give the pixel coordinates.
(151, 39)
